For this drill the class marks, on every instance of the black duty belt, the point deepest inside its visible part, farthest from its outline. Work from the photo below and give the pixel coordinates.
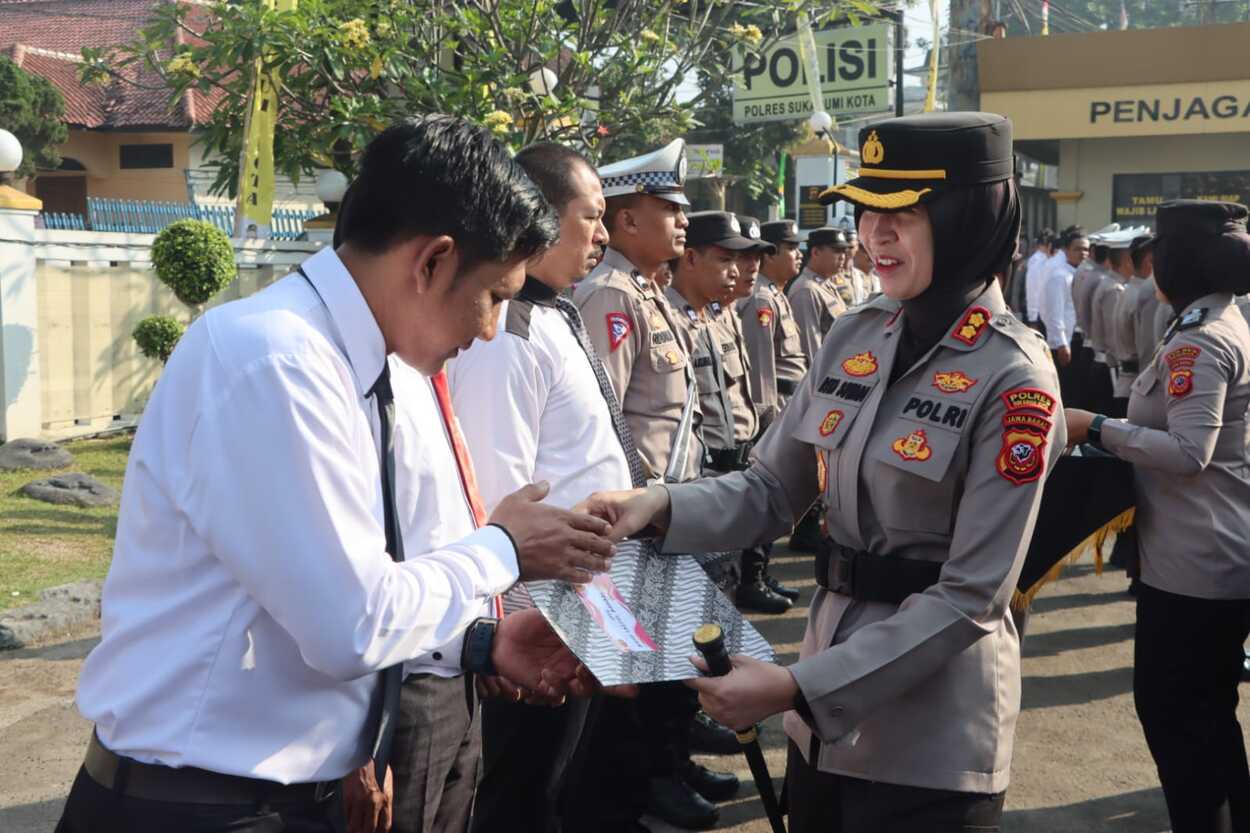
(867, 577)
(154, 782)
(730, 459)
(787, 387)
(1129, 367)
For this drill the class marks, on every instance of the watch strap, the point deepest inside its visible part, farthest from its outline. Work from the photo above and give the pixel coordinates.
(479, 639)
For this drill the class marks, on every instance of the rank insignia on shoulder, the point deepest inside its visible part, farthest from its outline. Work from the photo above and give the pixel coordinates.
(765, 317)
(830, 423)
(861, 364)
(640, 280)
(619, 328)
(952, 381)
(691, 314)
(1180, 382)
(1192, 318)
(914, 448)
(715, 307)
(1021, 459)
(1033, 399)
(970, 328)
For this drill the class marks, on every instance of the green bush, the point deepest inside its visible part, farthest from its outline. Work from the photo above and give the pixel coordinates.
(194, 259)
(157, 335)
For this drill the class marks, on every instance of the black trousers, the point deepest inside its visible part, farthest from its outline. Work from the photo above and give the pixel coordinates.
(1101, 390)
(1186, 666)
(526, 756)
(92, 808)
(821, 802)
(1074, 379)
(607, 781)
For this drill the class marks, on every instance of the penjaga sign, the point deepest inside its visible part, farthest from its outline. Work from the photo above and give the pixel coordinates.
(1147, 110)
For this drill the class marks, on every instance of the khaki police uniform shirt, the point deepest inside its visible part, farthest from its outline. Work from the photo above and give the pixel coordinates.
(1187, 438)
(700, 337)
(748, 411)
(1102, 320)
(1085, 280)
(634, 332)
(1134, 323)
(816, 303)
(773, 341)
(945, 465)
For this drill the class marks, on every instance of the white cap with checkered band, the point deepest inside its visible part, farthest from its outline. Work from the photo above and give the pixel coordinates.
(661, 173)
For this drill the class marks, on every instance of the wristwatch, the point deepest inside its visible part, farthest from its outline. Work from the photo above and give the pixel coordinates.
(479, 639)
(1095, 429)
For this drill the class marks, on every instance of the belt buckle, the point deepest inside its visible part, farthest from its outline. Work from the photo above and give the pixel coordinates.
(843, 578)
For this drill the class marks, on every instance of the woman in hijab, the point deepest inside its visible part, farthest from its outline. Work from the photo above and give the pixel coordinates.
(927, 424)
(1187, 439)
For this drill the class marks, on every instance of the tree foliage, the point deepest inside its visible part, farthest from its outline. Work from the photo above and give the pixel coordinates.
(1091, 15)
(33, 111)
(157, 336)
(346, 68)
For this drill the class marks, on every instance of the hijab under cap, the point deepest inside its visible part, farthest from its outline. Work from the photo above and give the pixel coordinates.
(1201, 247)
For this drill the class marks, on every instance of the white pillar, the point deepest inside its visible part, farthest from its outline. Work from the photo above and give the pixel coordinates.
(20, 393)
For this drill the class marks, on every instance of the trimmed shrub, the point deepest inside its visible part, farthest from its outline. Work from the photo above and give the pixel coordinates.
(157, 335)
(194, 258)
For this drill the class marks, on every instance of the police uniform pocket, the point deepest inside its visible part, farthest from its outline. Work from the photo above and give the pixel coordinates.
(824, 426)
(667, 359)
(732, 361)
(790, 335)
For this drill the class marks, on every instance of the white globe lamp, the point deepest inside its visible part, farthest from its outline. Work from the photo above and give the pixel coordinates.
(10, 154)
(543, 81)
(820, 122)
(331, 186)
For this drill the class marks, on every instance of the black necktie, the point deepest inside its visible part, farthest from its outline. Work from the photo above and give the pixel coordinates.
(637, 473)
(392, 677)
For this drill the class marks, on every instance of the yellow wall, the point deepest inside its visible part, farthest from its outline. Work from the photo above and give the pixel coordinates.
(1087, 165)
(100, 154)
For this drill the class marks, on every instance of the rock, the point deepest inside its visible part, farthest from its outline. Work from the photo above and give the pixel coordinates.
(60, 609)
(73, 489)
(33, 454)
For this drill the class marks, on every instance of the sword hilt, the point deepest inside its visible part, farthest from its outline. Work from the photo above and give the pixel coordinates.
(709, 641)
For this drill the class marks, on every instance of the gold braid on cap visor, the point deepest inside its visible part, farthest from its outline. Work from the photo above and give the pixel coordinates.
(899, 199)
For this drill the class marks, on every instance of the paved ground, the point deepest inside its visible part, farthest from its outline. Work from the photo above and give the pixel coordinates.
(1080, 764)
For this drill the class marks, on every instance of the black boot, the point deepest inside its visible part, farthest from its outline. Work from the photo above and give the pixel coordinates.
(780, 589)
(711, 738)
(712, 785)
(758, 597)
(677, 803)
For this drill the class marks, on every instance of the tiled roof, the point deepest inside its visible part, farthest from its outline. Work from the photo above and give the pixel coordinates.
(46, 37)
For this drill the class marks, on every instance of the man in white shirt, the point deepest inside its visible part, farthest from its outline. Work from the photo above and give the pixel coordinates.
(1033, 277)
(1058, 312)
(533, 407)
(258, 595)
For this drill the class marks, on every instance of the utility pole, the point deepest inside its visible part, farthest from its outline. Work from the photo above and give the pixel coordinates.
(966, 17)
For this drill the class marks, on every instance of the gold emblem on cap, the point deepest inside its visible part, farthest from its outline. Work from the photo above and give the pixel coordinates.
(873, 151)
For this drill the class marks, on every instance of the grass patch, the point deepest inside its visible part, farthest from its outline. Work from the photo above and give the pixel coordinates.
(43, 545)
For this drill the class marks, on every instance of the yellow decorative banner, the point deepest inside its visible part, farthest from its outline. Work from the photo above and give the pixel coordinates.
(254, 215)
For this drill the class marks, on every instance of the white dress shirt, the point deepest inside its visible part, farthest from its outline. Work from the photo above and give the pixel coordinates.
(429, 494)
(251, 602)
(1058, 312)
(531, 409)
(1034, 272)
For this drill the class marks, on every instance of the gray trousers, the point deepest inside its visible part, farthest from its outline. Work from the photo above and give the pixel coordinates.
(438, 744)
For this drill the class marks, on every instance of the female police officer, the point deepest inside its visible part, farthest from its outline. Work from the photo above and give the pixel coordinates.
(927, 424)
(1187, 439)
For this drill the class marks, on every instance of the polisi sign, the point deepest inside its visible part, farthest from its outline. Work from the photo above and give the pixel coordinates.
(855, 64)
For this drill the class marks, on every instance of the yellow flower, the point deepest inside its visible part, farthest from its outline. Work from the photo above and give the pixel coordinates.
(182, 64)
(383, 28)
(355, 33)
(375, 68)
(751, 34)
(649, 36)
(498, 122)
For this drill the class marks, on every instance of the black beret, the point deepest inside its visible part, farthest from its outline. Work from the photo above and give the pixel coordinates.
(1199, 218)
(780, 231)
(834, 237)
(717, 228)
